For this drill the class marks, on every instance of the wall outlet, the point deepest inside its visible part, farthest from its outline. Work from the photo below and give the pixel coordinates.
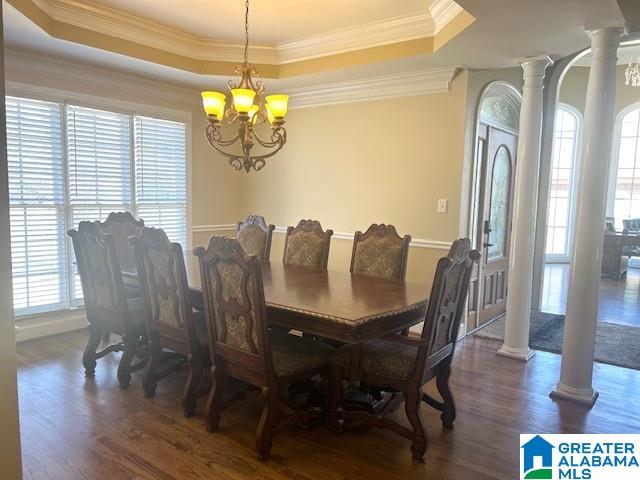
(443, 205)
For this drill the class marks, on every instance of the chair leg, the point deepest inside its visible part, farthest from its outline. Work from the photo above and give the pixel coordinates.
(150, 379)
(412, 409)
(214, 401)
(89, 357)
(442, 383)
(194, 381)
(264, 434)
(129, 353)
(336, 396)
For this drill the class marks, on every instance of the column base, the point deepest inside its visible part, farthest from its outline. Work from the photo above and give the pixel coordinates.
(579, 395)
(523, 354)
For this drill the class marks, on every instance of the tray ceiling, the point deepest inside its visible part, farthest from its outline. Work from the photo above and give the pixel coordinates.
(288, 37)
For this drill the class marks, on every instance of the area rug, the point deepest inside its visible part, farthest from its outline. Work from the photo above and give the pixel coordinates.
(615, 344)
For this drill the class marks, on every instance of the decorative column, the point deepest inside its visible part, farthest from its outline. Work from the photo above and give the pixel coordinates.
(584, 282)
(520, 280)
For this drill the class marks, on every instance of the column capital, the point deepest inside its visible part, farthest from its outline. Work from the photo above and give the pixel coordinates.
(605, 41)
(534, 69)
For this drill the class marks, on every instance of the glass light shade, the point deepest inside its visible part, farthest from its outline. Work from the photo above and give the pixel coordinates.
(214, 103)
(242, 99)
(252, 111)
(269, 114)
(278, 105)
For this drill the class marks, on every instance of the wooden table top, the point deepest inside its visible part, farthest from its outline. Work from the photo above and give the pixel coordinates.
(340, 296)
(338, 305)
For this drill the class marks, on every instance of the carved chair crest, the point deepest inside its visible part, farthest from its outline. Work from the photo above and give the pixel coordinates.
(307, 245)
(254, 235)
(380, 252)
(122, 225)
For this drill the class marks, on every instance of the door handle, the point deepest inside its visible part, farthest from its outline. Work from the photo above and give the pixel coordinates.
(485, 245)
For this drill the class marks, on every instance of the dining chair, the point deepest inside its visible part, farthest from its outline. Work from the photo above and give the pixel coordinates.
(402, 365)
(307, 245)
(176, 332)
(241, 345)
(121, 226)
(108, 308)
(254, 235)
(380, 252)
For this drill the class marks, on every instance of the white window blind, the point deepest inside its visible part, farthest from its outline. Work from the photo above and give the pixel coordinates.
(161, 175)
(99, 165)
(69, 163)
(36, 197)
(99, 152)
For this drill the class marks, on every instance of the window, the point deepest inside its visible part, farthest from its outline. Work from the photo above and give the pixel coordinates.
(626, 197)
(69, 163)
(563, 167)
(161, 175)
(36, 197)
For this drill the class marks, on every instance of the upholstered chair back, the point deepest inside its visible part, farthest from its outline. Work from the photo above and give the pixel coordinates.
(163, 279)
(631, 225)
(447, 300)
(307, 245)
(380, 252)
(121, 226)
(99, 269)
(255, 236)
(234, 306)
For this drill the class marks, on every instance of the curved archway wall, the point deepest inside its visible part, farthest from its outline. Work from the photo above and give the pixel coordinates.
(566, 83)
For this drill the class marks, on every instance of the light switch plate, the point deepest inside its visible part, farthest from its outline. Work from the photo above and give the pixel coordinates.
(443, 205)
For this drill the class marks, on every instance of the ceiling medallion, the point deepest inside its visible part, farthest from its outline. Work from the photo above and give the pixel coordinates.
(632, 74)
(247, 112)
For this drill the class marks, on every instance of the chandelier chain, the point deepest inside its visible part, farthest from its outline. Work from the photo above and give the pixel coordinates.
(246, 32)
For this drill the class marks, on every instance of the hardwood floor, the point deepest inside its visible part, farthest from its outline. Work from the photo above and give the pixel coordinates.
(78, 428)
(619, 299)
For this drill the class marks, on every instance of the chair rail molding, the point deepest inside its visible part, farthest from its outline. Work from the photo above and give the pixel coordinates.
(421, 82)
(416, 242)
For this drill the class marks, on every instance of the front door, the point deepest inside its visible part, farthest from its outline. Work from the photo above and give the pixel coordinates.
(497, 157)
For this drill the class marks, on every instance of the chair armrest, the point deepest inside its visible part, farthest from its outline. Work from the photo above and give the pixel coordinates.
(411, 341)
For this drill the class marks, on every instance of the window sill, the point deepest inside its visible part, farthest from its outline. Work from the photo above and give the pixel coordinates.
(31, 327)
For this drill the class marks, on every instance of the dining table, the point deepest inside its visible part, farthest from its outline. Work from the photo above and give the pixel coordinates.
(333, 304)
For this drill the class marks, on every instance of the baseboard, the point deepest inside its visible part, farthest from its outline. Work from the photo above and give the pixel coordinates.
(52, 324)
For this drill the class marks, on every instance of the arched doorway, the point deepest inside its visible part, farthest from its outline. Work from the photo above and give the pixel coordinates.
(497, 121)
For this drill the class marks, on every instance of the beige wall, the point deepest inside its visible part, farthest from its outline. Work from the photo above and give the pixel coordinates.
(573, 90)
(10, 438)
(354, 164)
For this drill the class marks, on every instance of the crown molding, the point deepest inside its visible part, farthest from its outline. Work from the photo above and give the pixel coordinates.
(374, 34)
(424, 82)
(443, 12)
(115, 23)
(92, 16)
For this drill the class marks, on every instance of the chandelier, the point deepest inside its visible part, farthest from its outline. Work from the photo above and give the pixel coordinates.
(632, 74)
(247, 112)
